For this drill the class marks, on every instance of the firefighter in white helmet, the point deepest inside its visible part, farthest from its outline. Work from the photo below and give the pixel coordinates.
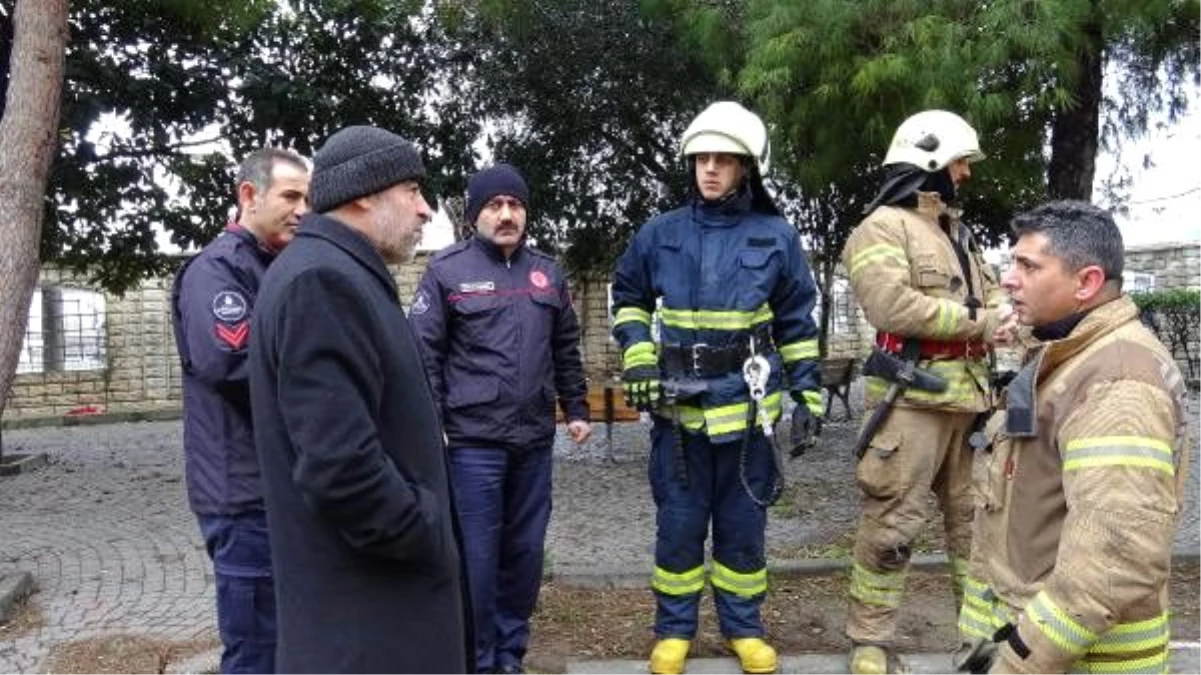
(737, 297)
(938, 309)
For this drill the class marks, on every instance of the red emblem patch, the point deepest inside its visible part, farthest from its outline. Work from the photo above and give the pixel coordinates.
(539, 279)
(235, 336)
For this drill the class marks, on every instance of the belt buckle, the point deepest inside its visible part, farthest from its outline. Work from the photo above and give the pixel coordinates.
(696, 357)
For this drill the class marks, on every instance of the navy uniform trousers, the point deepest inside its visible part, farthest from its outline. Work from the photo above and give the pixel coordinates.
(714, 494)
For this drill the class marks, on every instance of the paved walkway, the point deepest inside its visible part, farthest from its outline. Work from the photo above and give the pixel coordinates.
(107, 535)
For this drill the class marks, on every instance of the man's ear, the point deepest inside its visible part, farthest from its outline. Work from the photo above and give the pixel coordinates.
(247, 194)
(1089, 282)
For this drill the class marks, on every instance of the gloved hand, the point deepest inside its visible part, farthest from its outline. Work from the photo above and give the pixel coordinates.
(806, 428)
(641, 386)
(976, 657)
(641, 375)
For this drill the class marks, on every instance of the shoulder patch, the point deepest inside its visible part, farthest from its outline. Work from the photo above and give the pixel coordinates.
(230, 306)
(421, 303)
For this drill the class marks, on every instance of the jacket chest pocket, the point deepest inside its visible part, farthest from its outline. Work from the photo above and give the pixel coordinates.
(756, 276)
(934, 277)
(479, 316)
(994, 465)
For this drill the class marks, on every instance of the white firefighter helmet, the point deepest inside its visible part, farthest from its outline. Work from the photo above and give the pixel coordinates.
(726, 126)
(932, 139)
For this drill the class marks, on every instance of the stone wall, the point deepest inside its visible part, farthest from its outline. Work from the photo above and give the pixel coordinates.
(1173, 265)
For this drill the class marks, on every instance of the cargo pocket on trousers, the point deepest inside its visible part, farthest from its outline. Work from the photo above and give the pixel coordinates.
(991, 465)
(875, 472)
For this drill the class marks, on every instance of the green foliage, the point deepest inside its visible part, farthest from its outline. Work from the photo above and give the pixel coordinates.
(163, 96)
(1175, 316)
(588, 98)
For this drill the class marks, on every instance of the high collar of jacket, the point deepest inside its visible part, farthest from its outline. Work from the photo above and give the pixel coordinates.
(239, 230)
(1101, 321)
(726, 211)
(349, 240)
(494, 252)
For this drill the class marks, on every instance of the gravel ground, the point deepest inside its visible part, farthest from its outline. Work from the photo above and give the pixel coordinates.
(603, 513)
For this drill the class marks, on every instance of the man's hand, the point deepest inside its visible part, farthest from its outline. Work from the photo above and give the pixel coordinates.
(579, 430)
(1003, 324)
(641, 386)
(806, 428)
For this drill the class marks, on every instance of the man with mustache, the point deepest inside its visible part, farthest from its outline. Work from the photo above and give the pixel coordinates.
(212, 302)
(1082, 478)
(368, 569)
(500, 339)
(936, 306)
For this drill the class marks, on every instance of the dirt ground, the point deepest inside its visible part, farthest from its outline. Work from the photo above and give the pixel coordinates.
(803, 614)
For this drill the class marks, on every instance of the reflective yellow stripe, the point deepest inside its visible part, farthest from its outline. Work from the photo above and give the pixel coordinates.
(949, 313)
(982, 613)
(802, 349)
(732, 418)
(1134, 637)
(1100, 451)
(639, 354)
(746, 585)
(813, 401)
(631, 314)
(1058, 626)
(878, 252)
(884, 589)
(1156, 663)
(715, 319)
(678, 583)
(959, 570)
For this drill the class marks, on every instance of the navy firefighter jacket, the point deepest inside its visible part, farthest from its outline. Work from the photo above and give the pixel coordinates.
(725, 273)
(211, 303)
(500, 341)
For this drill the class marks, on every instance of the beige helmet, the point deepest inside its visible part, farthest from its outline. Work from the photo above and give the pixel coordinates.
(726, 126)
(932, 139)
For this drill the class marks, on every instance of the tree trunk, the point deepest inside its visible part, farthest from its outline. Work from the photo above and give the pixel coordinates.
(1074, 131)
(28, 138)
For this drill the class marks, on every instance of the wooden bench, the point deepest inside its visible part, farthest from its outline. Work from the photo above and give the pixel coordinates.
(596, 405)
(837, 375)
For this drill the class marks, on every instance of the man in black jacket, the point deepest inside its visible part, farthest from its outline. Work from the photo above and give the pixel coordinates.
(363, 534)
(501, 342)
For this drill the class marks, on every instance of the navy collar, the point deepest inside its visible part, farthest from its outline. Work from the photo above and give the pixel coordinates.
(493, 251)
(350, 240)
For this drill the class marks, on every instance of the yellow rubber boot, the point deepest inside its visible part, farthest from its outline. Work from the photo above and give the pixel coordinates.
(875, 660)
(668, 656)
(755, 655)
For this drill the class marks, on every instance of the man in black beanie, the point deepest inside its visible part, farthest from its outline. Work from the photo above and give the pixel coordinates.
(368, 571)
(501, 342)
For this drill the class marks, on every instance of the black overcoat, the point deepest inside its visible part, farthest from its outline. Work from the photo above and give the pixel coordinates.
(366, 550)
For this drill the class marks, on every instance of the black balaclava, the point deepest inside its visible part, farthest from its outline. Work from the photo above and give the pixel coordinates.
(904, 181)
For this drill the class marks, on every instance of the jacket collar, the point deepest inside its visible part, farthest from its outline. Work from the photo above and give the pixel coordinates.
(349, 240)
(238, 230)
(725, 212)
(1022, 394)
(493, 251)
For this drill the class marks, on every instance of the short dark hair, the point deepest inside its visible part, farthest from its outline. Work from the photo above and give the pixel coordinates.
(256, 168)
(1078, 233)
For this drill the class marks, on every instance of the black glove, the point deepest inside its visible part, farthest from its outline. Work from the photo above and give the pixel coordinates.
(641, 386)
(805, 430)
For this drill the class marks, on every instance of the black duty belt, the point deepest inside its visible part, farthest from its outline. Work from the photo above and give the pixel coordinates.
(702, 360)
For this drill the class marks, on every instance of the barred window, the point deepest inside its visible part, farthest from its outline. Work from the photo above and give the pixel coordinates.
(65, 332)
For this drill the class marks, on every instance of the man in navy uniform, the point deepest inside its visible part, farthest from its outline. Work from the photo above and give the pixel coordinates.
(212, 301)
(500, 340)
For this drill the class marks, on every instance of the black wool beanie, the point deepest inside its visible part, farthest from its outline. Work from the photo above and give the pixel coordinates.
(359, 161)
(499, 179)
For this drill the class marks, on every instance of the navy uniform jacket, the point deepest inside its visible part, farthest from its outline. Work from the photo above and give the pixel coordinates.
(211, 304)
(723, 273)
(500, 340)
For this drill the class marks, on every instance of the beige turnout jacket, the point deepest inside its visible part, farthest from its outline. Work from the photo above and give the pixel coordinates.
(906, 276)
(1078, 498)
